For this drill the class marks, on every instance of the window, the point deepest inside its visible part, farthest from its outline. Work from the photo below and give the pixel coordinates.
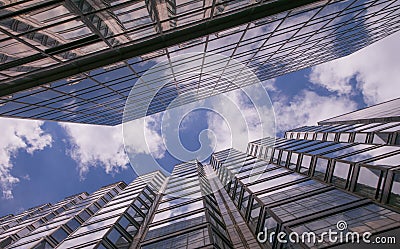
(394, 196)
(245, 201)
(284, 158)
(295, 189)
(397, 140)
(178, 210)
(101, 246)
(262, 186)
(254, 214)
(237, 193)
(348, 150)
(135, 215)
(305, 164)
(321, 167)
(293, 161)
(119, 240)
(361, 156)
(101, 202)
(59, 235)
(344, 137)
(73, 224)
(380, 138)
(146, 200)
(182, 185)
(304, 207)
(93, 208)
(341, 172)
(140, 205)
(367, 182)
(270, 226)
(264, 175)
(268, 153)
(275, 156)
(220, 242)
(176, 225)
(43, 245)
(84, 215)
(193, 239)
(150, 193)
(50, 216)
(330, 136)
(178, 201)
(393, 160)
(186, 191)
(5, 242)
(100, 224)
(107, 197)
(128, 226)
(368, 218)
(360, 137)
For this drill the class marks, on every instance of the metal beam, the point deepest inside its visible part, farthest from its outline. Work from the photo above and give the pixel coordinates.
(162, 41)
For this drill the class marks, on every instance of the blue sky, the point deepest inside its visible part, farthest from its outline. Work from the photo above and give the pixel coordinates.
(43, 162)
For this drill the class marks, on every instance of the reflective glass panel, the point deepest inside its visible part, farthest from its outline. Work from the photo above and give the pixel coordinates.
(348, 150)
(274, 182)
(394, 196)
(367, 181)
(305, 164)
(176, 225)
(285, 193)
(321, 166)
(178, 210)
(340, 175)
(119, 240)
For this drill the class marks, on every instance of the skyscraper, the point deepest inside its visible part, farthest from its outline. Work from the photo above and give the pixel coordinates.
(76, 60)
(188, 215)
(341, 176)
(346, 168)
(110, 216)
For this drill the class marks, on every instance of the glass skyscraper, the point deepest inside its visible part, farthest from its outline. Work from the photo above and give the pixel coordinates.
(345, 170)
(77, 60)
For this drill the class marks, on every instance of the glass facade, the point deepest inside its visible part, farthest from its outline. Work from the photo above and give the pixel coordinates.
(119, 221)
(279, 198)
(77, 60)
(188, 215)
(111, 216)
(315, 176)
(49, 225)
(383, 112)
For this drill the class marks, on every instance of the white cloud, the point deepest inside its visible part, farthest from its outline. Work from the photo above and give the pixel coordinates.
(375, 68)
(103, 146)
(307, 108)
(18, 134)
(245, 121)
(269, 85)
(26, 177)
(141, 136)
(335, 78)
(93, 145)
